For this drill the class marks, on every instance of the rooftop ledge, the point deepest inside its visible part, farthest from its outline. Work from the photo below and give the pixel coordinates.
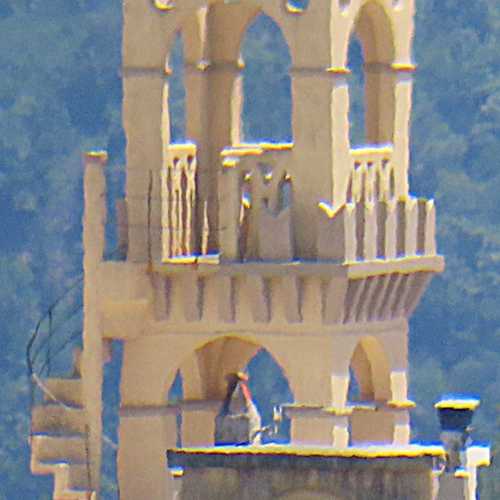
(297, 456)
(350, 408)
(458, 403)
(208, 264)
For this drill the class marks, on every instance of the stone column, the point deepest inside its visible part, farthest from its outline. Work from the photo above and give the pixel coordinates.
(196, 81)
(145, 435)
(147, 131)
(340, 133)
(314, 101)
(198, 423)
(94, 242)
(402, 115)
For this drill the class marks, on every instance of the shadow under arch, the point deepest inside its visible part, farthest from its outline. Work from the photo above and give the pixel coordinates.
(266, 111)
(371, 369)
(373, 29)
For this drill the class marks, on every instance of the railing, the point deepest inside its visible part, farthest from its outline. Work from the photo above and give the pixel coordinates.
(51, 349)
(383, 230)
(58, 331)
(372, 176)
(179, 204)
(255, 188)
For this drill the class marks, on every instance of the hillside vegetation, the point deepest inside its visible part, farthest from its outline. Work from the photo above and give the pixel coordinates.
(60, 94)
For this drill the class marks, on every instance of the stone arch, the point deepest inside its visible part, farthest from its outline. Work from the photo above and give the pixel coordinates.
(373, 27)
(373, 24)
(205, 368)
(371, 368)
(192, 27)
(203, 373)
(184, 50)
(259, 94)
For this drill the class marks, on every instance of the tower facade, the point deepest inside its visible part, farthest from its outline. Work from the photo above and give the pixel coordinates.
(313, 249)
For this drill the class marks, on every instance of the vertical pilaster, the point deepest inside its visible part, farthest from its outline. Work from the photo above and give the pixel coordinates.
(145, 94)
(196, 82)
(94, 221)
(340, 134)
(311, 171)
(403, 88)
(142, 465)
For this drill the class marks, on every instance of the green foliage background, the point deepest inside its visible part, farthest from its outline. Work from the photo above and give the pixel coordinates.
(60, 93)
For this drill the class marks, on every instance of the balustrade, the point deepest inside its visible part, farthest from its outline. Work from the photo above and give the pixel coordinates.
(255, 194)
(372, 176)
(179, 203)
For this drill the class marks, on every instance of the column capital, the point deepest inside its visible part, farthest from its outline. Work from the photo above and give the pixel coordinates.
(338, 71)
(99, 158)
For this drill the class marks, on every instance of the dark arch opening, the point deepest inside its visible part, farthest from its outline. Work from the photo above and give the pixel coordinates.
(360, 377)
(357, 132)
(267, 89)
(268, 384)
(174, 396)
(177, 92)
(270, 389)
(372, 89)
(369, 372)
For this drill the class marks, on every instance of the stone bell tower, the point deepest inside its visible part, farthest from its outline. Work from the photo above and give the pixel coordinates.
(312, 249)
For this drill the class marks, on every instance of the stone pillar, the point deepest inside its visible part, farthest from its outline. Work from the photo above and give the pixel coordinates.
(402, 428)
(403, 104)
(198, 423)
(144, 111)
(313, 137)
(94, 242)
(196, 82)
(145, 435)
(340, 133)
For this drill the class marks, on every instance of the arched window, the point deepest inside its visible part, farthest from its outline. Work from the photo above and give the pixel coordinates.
(267, 95)
(372, 49)
(177, 92)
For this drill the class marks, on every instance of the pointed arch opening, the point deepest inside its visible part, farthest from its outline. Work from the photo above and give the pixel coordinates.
(271, 390)
(176, 100)
(369, 373)
(203, 377)
(372, 89)
(266, 84)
